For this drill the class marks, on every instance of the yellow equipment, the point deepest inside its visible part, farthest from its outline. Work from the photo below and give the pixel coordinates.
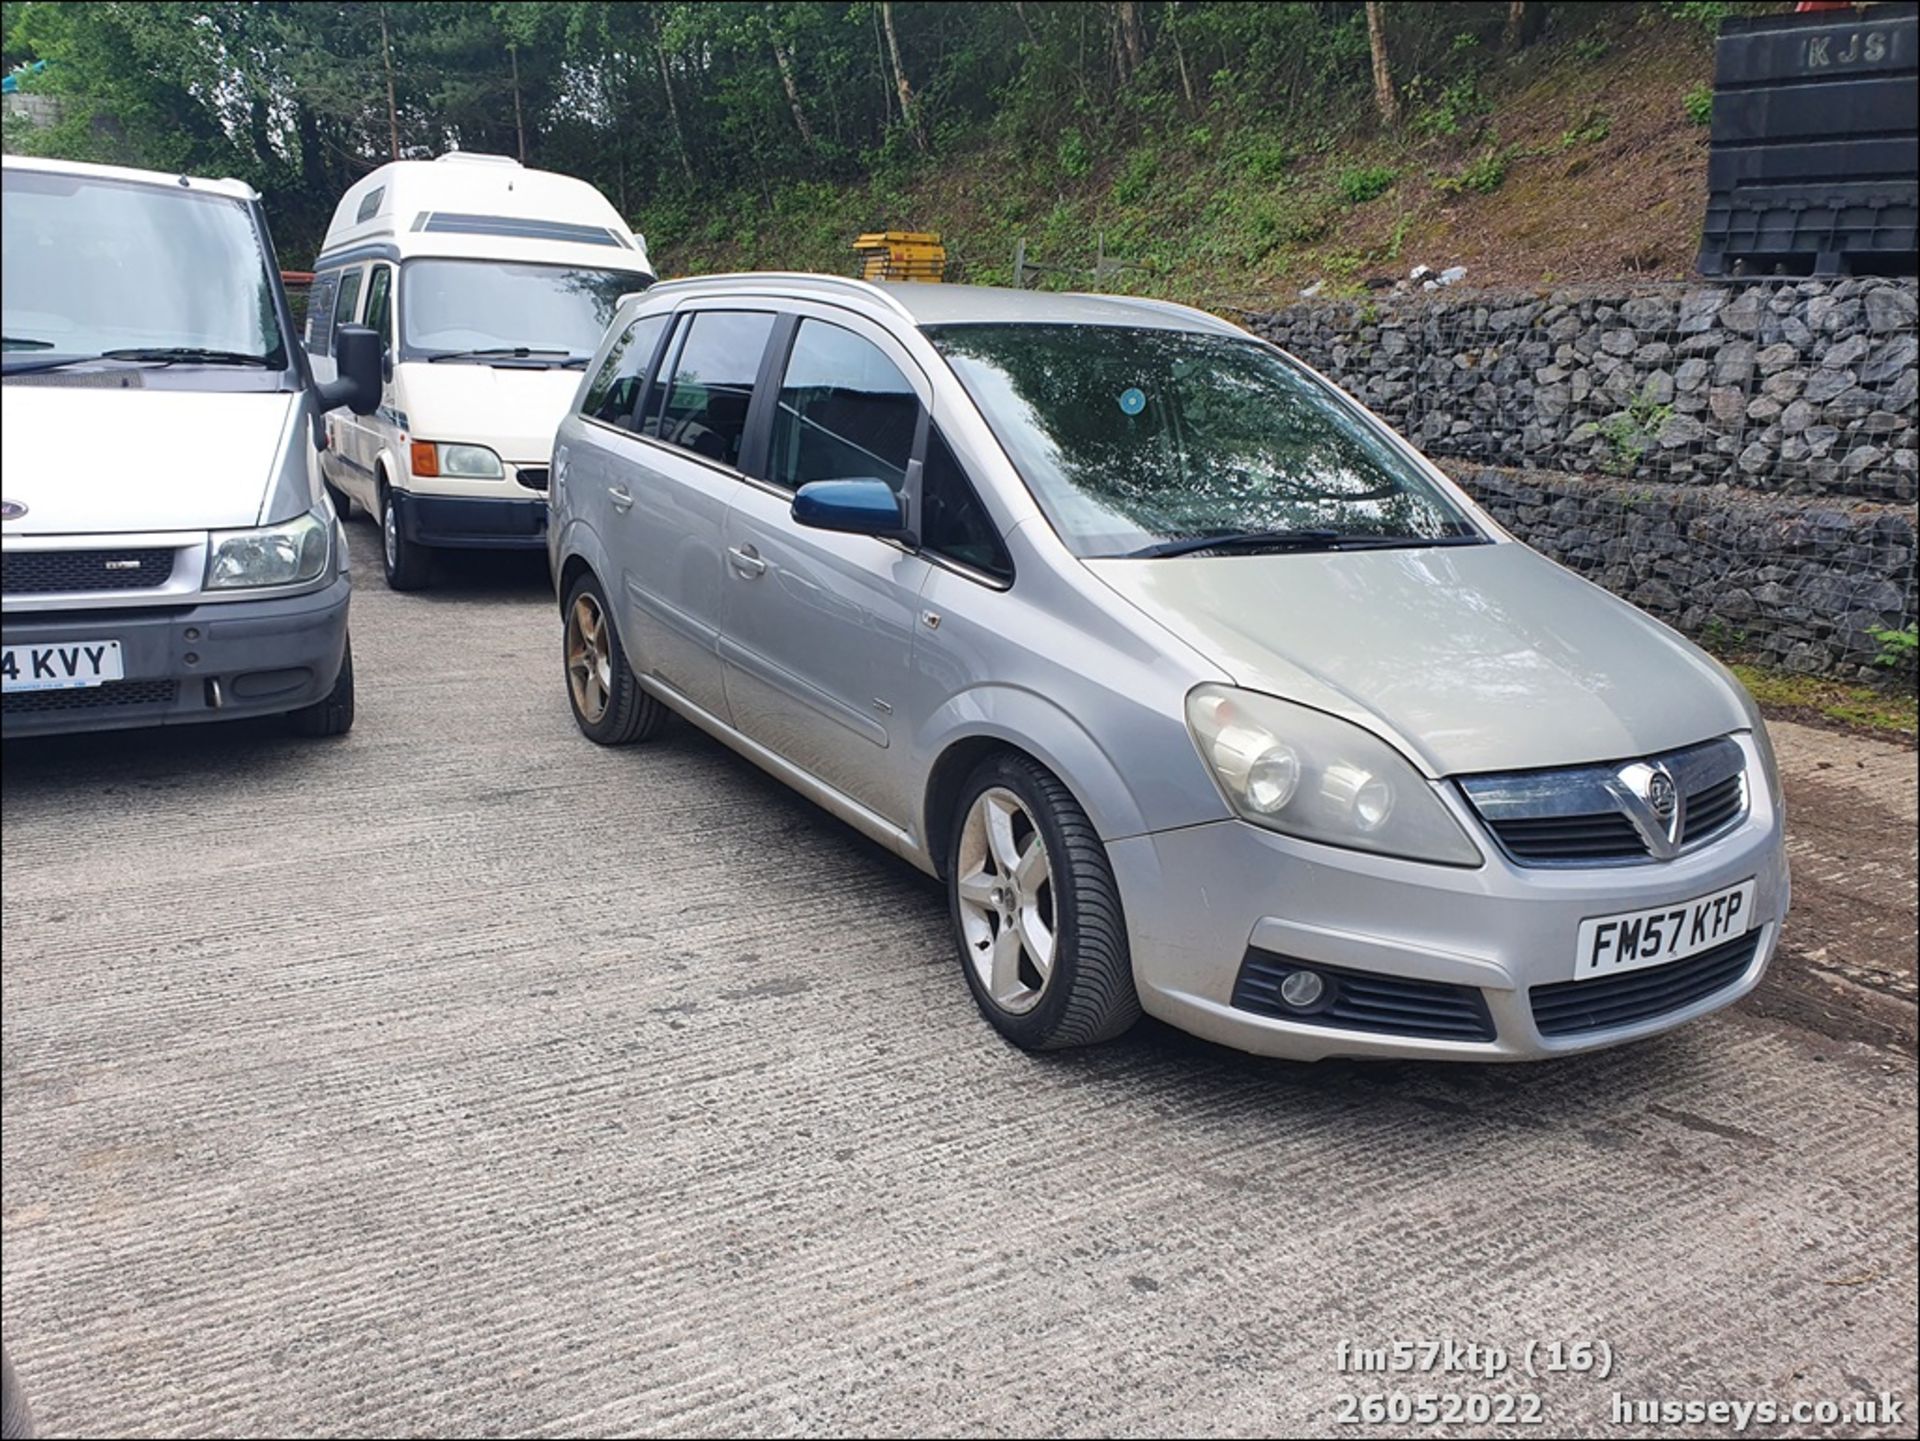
(901, 255)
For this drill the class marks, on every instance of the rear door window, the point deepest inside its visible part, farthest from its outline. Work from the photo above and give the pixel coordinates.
(845, 412)
(712, 385)
(614, 394)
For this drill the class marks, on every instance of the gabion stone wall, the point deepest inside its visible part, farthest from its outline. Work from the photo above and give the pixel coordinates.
(1796, 582)
(1802, 386)
(1738, 459)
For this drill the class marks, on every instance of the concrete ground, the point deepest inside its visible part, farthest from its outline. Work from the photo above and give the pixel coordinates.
(462, 1077)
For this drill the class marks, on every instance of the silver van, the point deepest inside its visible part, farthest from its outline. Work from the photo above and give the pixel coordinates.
(169, 553)
(1204, 693)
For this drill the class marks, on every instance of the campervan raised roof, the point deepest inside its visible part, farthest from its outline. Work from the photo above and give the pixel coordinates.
(489, 285)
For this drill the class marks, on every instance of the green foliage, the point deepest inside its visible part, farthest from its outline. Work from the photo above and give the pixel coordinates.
(1136, 177)
(1451, 109)
(1898, 648)
(1264, 157)
(1591, 49)
(1074, 156)
(1698, 103)
(1630, 433)
(1398, 238)
(1591, 127)
(1359, 184)
(1483, 176)
(1708, 13)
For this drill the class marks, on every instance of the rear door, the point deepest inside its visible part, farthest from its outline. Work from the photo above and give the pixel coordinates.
(817, 627)
(666, 508)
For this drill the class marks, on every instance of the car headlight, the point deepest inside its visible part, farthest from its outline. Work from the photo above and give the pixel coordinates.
(271, 555)
(1306, 774)
(1763, 743)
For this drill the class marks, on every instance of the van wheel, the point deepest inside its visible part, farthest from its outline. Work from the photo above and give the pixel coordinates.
(1036, 910)
(608, 704)
(407, 563)
(334, 715)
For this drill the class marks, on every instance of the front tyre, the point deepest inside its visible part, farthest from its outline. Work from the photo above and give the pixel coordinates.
(608, 703)
(334, 715)
(1036, 910)
(407, 563)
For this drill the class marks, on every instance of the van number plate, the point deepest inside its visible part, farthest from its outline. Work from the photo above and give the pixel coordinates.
(60, 665)
(1633, 939)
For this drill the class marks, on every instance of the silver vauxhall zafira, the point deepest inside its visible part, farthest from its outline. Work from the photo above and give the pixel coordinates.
(1203, 691)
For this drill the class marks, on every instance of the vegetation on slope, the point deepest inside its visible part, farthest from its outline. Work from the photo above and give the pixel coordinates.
(1231, 151)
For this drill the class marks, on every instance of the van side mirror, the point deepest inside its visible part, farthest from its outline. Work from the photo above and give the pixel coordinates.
(356, 354)
(855, 507)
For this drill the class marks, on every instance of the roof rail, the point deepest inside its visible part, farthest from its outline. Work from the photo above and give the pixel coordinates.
(826, 282)
(480, 157)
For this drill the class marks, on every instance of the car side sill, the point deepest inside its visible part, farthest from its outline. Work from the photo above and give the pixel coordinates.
(838, 803)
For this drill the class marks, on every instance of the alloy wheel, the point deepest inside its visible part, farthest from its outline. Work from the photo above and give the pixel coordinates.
(1005, 888)
(589, 658)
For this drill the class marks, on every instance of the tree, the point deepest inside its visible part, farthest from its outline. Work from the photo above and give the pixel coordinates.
(1384, 95)
(907, 112)
(1524, 23)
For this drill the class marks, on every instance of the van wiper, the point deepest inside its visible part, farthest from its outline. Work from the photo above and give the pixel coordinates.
(1293, 540)
(508, 352)
(24, 342)
(188, 355)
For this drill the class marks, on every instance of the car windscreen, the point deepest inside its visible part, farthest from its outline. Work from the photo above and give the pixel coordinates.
(95, 265)
(480, 308)
(1132, 438)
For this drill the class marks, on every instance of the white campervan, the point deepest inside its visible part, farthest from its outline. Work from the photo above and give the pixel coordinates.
(490, 285)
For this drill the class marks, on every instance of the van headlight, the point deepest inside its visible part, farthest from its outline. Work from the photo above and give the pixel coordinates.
(1306, 774)
(270, 555)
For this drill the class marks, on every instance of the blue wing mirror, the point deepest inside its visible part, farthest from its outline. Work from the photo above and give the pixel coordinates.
(857, 507)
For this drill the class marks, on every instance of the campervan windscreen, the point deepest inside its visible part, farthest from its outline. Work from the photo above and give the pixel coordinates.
(102, 272)
(480, 309)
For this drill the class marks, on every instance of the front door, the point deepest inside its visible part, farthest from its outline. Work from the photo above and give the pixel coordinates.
(817, 627)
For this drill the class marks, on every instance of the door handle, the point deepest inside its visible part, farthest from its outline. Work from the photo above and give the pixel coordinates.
(621, 497)
(747, 561)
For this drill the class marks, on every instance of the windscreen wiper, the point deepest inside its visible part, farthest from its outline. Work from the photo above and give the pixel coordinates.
(1292, 540)
(24, 342)
(187, 355)
(503, 352)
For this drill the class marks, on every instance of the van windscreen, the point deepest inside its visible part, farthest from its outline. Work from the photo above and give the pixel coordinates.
(97, 267)
(455, 309)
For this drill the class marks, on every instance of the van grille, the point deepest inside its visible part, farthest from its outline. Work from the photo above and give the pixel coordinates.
(98, 697)
(49, 572)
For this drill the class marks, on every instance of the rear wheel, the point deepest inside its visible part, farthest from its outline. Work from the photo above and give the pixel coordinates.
(608, 703)
(334, 715)
(1036, 910)
(407, 563)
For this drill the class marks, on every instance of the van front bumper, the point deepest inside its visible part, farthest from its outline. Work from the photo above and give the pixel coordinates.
(1204, 901)
(470, 521)
(184, 664)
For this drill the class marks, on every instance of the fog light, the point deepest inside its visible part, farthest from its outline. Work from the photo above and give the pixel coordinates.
(1302, 989)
